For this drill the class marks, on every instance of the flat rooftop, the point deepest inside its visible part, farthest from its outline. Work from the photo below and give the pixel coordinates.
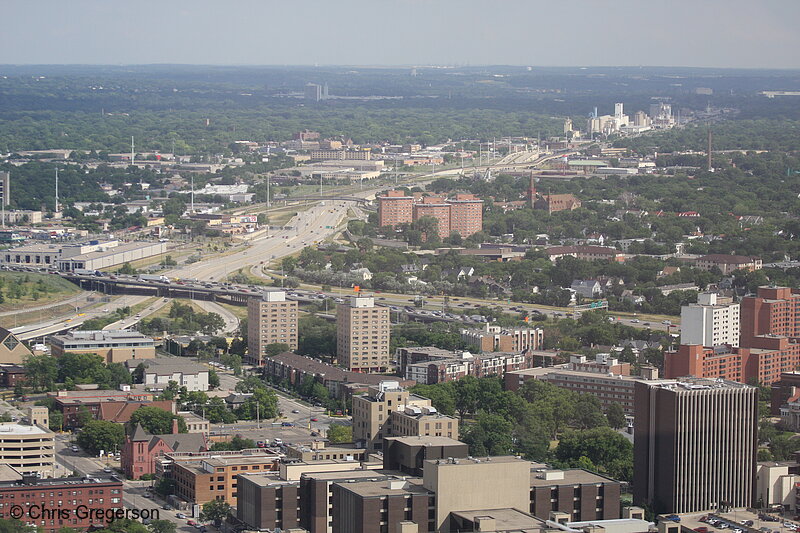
(426, 441)
(98, 395)
(12, 428)
(119, 249)
(266, 479)
(507, 519)
(617, 525)
(361, 475)
(386, 487)
(692, 383)
(240, 460)
(461, 461)
(572, 476)
(189, 416)
(110, 335)
(51, 482)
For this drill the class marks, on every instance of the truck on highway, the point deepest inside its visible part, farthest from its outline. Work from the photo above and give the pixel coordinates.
(150, 277)
(85, 272)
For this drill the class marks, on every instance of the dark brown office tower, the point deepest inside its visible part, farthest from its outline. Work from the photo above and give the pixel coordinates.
(695, 443)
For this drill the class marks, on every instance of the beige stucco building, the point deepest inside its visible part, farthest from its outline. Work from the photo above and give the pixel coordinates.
(270, 320)
(114, 346)
(391, 411)
(362, 335)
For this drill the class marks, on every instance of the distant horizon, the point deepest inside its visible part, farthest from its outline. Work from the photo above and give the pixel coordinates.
(398, 65)
(584, 33)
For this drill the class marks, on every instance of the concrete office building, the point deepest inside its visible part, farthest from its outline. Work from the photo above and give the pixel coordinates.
(503, 482)
(114, 346)
(388, 410)
(29, 448)
(362, 335)
(427, 484)
(695, 443)
(271, 319)
(776, 484)
(710, 322)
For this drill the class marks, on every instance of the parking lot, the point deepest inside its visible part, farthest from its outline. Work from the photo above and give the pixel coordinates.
(738, 521)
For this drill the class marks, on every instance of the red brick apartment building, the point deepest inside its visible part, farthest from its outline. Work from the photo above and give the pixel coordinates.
(395, 208)
(53, 504)
(764, 361)
(462, 214)
(772, 311)
(435, 207)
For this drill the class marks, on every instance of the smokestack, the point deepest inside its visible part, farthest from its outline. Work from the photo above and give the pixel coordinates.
(174, 426)
(710, 167)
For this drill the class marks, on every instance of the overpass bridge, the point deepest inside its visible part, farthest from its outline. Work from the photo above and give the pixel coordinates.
(228, 294)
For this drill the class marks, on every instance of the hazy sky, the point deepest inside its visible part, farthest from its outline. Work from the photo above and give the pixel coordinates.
(717, 33)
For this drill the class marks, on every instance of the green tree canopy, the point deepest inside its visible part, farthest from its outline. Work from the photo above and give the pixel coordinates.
(156, 421)
(99, 435)
(340, 433)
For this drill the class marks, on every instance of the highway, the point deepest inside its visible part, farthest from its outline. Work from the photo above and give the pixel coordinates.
(308, 227)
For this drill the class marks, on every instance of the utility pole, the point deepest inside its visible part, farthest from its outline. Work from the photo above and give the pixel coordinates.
(56, 191)
(6, 187)
(710, 166)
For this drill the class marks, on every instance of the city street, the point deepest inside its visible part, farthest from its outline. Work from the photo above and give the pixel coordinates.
(135, 493)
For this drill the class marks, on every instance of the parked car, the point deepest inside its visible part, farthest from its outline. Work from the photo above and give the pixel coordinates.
(180, 515)
(191, 523)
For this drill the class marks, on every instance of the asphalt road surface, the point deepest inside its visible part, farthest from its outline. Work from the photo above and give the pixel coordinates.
(135, 493)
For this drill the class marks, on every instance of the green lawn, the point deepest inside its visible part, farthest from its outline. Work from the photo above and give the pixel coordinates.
(21, 290)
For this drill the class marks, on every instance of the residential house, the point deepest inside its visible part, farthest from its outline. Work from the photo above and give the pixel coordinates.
(589, 288)
(363, 274)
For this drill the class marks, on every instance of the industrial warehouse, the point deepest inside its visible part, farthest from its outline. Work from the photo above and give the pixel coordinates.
(91, 255)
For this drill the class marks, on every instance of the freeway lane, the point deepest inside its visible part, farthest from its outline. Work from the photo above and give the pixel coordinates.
(313, 225)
